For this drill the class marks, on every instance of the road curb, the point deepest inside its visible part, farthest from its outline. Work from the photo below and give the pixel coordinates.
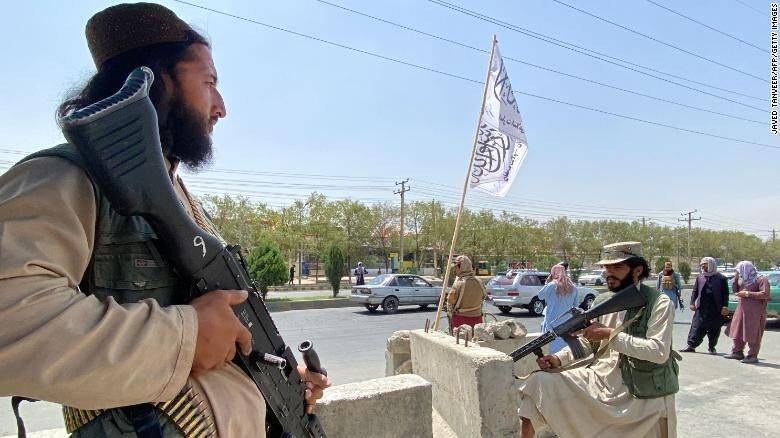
(283, 306)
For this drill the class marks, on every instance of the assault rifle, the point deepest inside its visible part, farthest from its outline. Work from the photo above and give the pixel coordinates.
(625, 299)
(118, 137)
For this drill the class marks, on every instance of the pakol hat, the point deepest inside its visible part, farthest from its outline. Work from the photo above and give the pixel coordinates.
(620, 252)
(118, 29)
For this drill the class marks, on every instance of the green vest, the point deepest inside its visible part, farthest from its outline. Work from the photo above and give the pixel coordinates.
(127, 266)
(646, 379)
(125, 263)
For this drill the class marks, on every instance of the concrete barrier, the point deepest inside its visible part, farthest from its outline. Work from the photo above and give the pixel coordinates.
(398, 356)
(397, 406)
(525, 365)
(473, 387)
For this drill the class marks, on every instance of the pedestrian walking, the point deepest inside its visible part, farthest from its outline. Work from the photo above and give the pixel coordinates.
(292, 274)
(669, 283)
(559, 296)
(747, 324)
(709, 300)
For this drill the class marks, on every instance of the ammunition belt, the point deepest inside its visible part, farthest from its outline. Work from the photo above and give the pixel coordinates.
(186, 411)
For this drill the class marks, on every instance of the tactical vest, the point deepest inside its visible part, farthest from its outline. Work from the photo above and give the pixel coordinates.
(127, 266)
(125, 263)
(646, 379)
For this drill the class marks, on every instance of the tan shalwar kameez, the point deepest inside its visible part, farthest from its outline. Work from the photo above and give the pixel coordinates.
(593, 401)
(60, 345)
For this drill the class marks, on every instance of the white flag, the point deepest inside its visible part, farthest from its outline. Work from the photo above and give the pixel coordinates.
(501, 143)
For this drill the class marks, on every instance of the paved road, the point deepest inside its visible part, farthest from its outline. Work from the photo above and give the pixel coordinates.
(718, 397)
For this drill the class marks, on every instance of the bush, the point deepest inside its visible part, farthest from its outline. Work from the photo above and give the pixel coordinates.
(685, 270)
(334, 267)
(267, 266)
(575, 270)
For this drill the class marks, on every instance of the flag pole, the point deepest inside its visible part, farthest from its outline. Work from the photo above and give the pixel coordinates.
(463, 194)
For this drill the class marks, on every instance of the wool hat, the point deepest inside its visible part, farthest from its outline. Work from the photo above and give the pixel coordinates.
(620, 252)
(127, 26)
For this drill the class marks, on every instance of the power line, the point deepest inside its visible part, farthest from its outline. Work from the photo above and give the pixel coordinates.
(707, 26)
(474, 81)
(540, 67)
(750, 7)
(590, 52)
(651, 38)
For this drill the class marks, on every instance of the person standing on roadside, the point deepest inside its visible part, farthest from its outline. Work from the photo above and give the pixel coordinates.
(669, 283)
(709, 300)
(747, 325)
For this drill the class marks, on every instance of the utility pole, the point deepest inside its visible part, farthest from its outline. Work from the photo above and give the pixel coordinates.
(433, 240)
(773, 235)
(402, 191)
(689, 220)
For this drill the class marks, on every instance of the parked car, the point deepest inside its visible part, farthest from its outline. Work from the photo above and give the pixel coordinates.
(773, 307)
(520, 289)
(595, 277)
(393, 290)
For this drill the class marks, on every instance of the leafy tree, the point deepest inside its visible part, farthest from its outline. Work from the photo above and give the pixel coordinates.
(685, 270)
(334, 267)
(267, 266)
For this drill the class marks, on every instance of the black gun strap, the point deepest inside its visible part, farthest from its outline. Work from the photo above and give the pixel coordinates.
(15, 401)
(144, 420)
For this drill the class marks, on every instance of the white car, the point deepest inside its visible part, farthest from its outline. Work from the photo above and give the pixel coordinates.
(595, 277)
(393, 290)
(520, 289)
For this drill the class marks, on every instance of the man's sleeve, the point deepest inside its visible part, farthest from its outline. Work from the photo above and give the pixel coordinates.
(56, 343)
(656, 347)
(695, 291)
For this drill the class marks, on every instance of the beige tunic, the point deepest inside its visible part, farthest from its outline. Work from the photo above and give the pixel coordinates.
(594, 401)
(60, 345)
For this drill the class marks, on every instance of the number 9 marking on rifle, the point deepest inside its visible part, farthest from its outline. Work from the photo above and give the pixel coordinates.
(198, 241)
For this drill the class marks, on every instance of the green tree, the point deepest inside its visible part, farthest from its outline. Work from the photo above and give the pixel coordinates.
(685, 270)
(334, 267)
(267, 266)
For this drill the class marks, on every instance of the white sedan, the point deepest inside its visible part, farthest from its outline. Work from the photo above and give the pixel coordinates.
(393, 290)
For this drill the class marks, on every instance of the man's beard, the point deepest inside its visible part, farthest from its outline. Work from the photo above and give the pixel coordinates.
(624, 283)
(185, 137)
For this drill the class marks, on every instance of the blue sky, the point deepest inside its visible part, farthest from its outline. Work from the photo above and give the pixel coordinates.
(299, 107)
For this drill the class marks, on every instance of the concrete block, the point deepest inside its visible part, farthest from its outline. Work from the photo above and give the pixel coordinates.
(388, 407)
(473, 387)
(398, 354)
(525, 365)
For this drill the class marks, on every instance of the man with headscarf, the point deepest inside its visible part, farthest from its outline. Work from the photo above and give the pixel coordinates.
(464, 301)
(747, 324)
(669, 283)
(627, 389)
(559, 295)
(92, 314)
(709, 301)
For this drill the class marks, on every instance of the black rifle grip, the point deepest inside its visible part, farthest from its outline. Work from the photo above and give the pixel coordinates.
(310, 358)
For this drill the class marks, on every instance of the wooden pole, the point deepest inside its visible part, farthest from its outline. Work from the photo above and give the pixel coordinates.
(463, 194)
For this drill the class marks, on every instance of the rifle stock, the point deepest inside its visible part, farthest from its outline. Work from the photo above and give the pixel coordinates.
(118, 138)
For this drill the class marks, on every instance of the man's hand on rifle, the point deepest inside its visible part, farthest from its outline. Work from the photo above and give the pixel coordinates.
(595, 332)
(219, 330)
(548, 362)
(315, 384)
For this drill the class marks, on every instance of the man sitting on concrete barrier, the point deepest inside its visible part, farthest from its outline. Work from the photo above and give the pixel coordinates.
(627, 389)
